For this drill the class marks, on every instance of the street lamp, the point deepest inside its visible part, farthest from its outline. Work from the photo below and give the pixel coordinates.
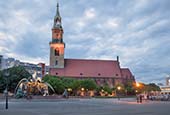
(118, 88)
(137, 84)
(82, 89)
(6, 90)
(69, 89)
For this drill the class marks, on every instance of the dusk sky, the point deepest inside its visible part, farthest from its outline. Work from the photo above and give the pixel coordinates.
(138, 31)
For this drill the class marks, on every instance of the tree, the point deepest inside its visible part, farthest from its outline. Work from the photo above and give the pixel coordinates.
(147, 87)
(88, 84)
(121, 90)
(2, 82)
(15, 75)
(151, 87)
(70, 82)
(129, 88)
(107, 89)
(55, 82)
(76, 84)
(61, 83)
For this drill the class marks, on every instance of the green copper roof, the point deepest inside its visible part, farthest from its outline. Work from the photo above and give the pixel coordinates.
(57, 12)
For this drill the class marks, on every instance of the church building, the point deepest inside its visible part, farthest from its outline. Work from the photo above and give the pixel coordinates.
(101, 71)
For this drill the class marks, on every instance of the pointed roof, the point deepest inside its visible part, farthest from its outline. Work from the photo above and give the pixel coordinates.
(57, 19)
(57, 12)
(126, 73)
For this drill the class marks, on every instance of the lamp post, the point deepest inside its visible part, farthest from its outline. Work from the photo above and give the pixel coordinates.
(82, 91)
(118, 88)
(137, 85)
(6, 90)
(69, 91)
(137, 88)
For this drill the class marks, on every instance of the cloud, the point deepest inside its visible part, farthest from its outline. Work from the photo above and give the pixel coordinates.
(90, 13)
(138, 31)
(112, 23)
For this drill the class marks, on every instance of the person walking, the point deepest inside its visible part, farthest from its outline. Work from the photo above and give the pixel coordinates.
(137, 98)
(65, 94)
(140, 98)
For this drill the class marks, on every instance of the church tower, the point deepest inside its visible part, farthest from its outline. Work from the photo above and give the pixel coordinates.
(57, 45)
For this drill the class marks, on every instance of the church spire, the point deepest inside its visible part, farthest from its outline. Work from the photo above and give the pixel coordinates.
(57, 44)
(57, 11)
(57, 18)
(57, 30)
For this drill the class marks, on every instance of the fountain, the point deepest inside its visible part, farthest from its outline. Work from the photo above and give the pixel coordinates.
(32, 86)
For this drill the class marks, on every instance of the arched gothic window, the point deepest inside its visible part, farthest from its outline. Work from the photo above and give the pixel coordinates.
(57, 52)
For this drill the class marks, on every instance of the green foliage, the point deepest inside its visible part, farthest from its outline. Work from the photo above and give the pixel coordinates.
(151, 87)
(129, 88)
(15, 75)
(107, 89)
(46, 78)
(61, 83)
(2, 82)
(76, 84)
(121, 86)
(55, 82)
(88, 84)
(147, 88)
(99, 88)
(71, 83)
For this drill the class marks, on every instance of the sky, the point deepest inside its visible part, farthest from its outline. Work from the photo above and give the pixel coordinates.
(138, 31)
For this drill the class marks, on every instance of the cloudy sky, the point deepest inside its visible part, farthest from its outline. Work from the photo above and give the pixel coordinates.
(136, 30)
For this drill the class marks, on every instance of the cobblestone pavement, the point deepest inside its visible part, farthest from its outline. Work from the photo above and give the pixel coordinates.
(84, 107)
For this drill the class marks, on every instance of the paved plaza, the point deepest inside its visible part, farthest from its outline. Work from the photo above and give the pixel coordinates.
(84, 107)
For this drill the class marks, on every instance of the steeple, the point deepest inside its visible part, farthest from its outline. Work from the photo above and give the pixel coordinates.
(57, 44)
(57, 18)
(57, 30)
(57, 12)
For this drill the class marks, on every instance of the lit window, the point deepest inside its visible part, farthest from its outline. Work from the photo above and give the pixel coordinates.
(56, 52)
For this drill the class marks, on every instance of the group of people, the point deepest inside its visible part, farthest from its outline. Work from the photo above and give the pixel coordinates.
(160, 97)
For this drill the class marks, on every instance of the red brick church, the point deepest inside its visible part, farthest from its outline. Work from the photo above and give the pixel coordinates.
(102, 71)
